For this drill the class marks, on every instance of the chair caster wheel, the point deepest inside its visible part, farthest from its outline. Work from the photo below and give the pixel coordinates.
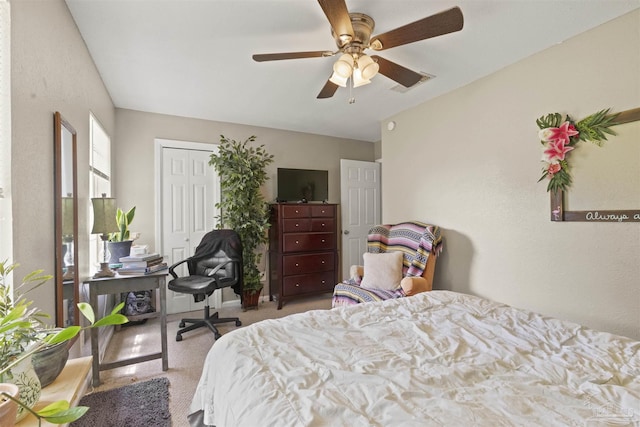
(238, 323)
(178, 337)
(182, 324)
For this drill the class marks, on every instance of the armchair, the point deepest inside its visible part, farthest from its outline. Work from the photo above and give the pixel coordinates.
(411, 247)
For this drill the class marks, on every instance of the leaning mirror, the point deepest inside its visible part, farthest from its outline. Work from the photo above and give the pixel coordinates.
(66, 222)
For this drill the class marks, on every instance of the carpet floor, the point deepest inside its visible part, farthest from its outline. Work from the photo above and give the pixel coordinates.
(144, 404)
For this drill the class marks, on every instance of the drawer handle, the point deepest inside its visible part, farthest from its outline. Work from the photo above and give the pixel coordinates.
(297, 242)
(297, 211)
(297, 265)
(297, 225)
(323, 224)
(323, 240)
(323, 282)
(322, 262)
(297, 285)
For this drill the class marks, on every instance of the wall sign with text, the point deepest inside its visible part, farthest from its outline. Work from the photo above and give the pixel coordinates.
(558, 213)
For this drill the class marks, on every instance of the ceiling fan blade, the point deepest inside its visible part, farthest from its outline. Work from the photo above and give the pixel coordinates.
(328, 90)
(338, 16)
(290, 55)
(445, 22)
(400, 74)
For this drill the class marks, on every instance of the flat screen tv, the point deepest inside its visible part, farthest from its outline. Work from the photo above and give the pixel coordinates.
(302, 185)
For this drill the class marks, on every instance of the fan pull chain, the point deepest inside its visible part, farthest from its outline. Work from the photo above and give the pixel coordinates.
(352, 99)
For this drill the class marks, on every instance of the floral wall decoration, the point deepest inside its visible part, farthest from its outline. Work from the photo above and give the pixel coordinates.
(559, 136)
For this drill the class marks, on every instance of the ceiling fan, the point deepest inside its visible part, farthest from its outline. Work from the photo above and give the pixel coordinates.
(352, 34)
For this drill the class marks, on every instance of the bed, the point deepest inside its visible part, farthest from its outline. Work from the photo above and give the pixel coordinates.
(438, 358)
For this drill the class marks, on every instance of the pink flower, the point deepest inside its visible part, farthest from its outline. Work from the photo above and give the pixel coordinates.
(556, 150)
(561, 134)
(553, 169)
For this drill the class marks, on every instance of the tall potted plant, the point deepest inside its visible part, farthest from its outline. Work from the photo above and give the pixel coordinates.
(242, 170)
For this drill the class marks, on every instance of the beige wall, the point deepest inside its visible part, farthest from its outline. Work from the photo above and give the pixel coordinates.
(472, 158)
(51, 70)
(134, 150)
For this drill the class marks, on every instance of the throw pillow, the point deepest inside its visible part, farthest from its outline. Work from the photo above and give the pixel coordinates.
(382, 271)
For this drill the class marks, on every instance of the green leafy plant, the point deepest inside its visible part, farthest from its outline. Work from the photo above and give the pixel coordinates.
(123, 220)
(23, 332)
(242, 170)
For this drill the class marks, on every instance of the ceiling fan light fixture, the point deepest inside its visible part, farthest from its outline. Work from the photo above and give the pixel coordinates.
(358, 79)
(344, 65)
(338, 79)
(367, 66)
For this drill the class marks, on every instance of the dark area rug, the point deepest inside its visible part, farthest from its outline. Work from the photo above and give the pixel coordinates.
(144, 404)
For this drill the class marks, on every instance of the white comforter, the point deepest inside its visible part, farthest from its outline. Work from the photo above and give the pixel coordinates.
(435, 359)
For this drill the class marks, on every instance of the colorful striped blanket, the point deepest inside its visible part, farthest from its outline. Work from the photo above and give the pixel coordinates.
(416, 240)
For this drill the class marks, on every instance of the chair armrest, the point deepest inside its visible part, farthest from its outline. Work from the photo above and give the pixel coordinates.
(415, 285)
(356, 271)
(175, 276)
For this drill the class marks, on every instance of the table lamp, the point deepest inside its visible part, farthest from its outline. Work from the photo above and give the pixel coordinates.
(104, 222)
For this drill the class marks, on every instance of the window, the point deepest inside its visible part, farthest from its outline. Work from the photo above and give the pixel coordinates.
(99, 177)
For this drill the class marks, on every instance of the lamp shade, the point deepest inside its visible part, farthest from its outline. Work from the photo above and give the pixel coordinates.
(344, 66)
(104, 215)
(339, 80)
(67, 216)
(368, 67)
(358, 80)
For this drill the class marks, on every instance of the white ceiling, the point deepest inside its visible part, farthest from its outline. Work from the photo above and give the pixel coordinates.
(192, 58)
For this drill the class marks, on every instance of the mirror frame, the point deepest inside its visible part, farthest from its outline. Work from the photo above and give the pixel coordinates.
(559, 214)
(60, 126)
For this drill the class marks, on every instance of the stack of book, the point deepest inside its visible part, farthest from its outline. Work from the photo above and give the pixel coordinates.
(142, 264)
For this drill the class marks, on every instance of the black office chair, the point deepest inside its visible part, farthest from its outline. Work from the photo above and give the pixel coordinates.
(216, 264)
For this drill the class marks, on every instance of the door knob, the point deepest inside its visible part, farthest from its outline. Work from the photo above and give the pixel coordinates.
(346, 231)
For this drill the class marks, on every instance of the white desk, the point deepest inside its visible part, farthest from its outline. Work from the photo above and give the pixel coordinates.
(120, 284)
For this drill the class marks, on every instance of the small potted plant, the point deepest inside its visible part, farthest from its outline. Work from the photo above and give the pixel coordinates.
(242, 171)
(23, 333)
(120, 242)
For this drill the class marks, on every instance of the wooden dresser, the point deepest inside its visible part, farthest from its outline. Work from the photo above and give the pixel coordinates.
(303, 254)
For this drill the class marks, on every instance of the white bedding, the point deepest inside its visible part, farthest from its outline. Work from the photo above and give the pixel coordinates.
(433, 359)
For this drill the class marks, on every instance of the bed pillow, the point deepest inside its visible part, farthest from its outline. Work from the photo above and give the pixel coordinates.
(382, 270)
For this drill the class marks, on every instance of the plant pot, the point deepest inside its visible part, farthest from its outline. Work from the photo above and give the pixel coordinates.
(24, 376)
(250, 298)
(8, 408)
(119, 250)
(50, 361)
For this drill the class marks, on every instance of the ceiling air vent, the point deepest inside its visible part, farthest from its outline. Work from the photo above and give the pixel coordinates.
(403, 89)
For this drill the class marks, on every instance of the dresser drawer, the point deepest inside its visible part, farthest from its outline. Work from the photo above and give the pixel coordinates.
(307, 283)
(323, 211)
(323, 224)
(297, 225)
(299, 242)
(303, 264)
(296, 211)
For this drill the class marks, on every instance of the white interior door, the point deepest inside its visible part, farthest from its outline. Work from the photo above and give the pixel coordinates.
(190, 190)
(360, 203)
